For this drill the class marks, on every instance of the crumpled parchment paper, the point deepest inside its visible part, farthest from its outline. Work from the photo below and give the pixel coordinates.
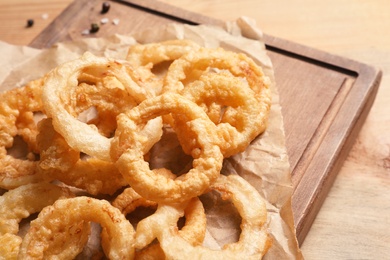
(265, 162)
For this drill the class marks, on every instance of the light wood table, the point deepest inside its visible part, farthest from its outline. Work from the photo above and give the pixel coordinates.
(354, 222)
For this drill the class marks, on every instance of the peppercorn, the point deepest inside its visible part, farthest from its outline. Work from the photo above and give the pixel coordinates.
(105, 7)
(94, 28)
(30, 22)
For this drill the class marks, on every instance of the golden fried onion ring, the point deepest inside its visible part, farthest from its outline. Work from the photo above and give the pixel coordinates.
(231, 105)
(104, 93)
(129, 200)
(60, 162)
(254, 240)
(53, 222)
(17, 109)
(144, 57)
(216, 103)
(57, 99)
(127, 150)
(205, 59)
(16, 172)
(193, 231)
(151, 54)
(16, 113)
(20, 203)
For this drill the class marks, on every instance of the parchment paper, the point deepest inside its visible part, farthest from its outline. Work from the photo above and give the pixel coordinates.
(264, 164)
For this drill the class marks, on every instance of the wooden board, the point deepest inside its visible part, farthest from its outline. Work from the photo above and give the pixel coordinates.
(325, 98)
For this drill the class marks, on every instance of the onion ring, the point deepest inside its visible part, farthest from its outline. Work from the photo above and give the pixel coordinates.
(17, 109)
(144, 57)
(16, 172)
(59, 85)
(16, 113)
(231, 105)
(20, 203)
(254, 240)
(117, 234)
(106, 94)
(103, 118)
(129, 200)
(193, 231)
(60, 162)
(128, 143)
(194, 65)
(204, 59)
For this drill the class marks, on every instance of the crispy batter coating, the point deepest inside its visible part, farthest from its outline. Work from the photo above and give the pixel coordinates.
(20, 203)
(181, 71)
(103, 121)
(59, 95)
(231, 104)
(17, 108)
(58, 161)
(128, 153)
(193, 231)
(253, 242)
(145, 59)
(54, 229)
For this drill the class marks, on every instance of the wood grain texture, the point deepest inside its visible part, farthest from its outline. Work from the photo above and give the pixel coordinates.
(352, 222)
(315, 89)
(14, 15)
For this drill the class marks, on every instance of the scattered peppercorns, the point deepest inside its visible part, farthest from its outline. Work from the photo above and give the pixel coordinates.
(30, 22)
(94, 28)
(105, 7)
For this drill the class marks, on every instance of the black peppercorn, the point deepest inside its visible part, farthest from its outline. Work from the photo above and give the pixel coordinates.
(30, 22)
(94, 28)
(105, 7)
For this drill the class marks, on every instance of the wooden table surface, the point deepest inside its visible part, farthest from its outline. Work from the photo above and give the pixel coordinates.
(354, 222)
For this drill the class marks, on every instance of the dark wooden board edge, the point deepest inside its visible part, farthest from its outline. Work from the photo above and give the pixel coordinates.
(311, 183)
(309, 198)
(57, 29)
(315, 183)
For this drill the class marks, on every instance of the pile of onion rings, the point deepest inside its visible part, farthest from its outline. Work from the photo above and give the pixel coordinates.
(94, 148)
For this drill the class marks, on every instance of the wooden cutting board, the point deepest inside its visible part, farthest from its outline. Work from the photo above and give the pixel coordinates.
(325, 98)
